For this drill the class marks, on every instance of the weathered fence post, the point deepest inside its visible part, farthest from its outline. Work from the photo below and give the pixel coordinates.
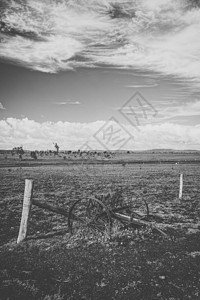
(28, 192)
(181, 186)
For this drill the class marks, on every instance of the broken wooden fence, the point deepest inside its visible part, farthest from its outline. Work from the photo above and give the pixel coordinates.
(28, 202)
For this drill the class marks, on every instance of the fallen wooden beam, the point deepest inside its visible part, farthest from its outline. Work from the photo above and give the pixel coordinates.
(130, 219)
(134, 221)
(55, 209)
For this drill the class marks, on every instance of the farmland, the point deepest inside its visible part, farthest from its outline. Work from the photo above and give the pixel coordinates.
(52, 264)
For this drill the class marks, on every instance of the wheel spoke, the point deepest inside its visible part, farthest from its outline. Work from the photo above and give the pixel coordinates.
(89, 214)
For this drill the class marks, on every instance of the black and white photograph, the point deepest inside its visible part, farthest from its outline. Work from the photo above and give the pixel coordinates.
(99, 149)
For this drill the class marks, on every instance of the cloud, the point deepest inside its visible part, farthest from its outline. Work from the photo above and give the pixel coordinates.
(1, 106)
(188, 109)
(141, 85)
(33, 135)
(69, 102)
(158, 35)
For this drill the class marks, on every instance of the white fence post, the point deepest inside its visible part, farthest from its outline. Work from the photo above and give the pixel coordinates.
(28, 192)
(181, 186)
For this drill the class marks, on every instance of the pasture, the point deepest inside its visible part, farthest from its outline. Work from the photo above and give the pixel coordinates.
(52, 264)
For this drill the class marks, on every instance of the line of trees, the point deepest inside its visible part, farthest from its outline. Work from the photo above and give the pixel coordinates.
(20, 151)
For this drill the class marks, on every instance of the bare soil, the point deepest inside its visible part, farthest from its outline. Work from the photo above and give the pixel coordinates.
(52, 264)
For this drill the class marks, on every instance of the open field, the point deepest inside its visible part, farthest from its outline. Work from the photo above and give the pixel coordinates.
(99, 157)
(53, 265)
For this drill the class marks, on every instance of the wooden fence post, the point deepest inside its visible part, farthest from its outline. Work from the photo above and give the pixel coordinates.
(181, 186)
(28, 192)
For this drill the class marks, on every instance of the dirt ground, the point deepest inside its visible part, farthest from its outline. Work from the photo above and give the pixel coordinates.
(52, 264)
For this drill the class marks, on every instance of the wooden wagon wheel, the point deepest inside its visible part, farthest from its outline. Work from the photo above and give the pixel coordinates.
(89, 215)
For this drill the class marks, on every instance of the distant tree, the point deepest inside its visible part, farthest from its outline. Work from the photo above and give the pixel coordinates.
(19, 151)
(57, 148)
(33, 154)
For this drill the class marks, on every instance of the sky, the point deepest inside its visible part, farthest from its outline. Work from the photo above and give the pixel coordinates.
(100, 74)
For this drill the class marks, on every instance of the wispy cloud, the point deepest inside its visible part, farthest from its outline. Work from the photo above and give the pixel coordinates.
(69, 102)
(157, 35)
(167, 110)
(141, 85)
(185, 109)
(1, 106)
